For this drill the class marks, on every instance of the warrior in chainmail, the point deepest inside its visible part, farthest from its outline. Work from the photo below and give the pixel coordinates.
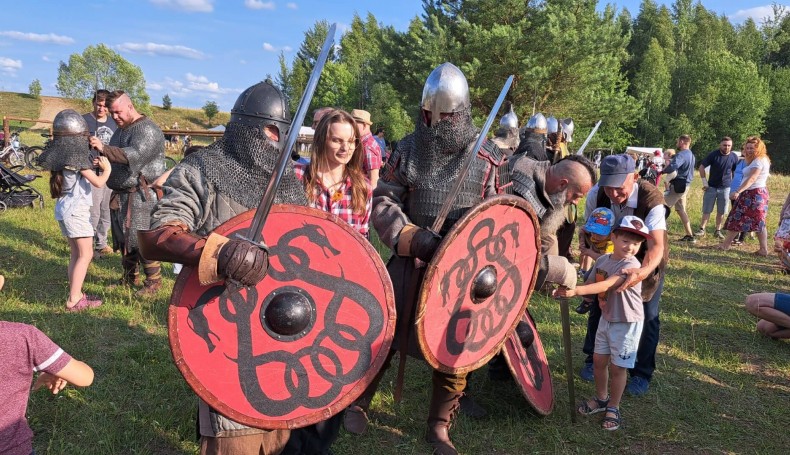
(208, 188)
(507, 136)
(137, 151)
(406, 202)
(533, 138)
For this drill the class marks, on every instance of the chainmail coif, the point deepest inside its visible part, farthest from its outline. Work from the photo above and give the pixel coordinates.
(240, 165)
(439, 150)
(66, 152)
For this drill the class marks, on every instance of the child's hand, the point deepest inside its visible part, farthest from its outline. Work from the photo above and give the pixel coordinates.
(563, 292)
(103, 163)
(52, 382)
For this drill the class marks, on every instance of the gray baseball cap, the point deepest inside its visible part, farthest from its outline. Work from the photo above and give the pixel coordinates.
(615, 169)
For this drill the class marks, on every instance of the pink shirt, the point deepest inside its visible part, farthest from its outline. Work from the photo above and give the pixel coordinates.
(23, 350)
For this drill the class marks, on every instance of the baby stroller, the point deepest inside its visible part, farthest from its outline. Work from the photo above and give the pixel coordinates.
(15, 189)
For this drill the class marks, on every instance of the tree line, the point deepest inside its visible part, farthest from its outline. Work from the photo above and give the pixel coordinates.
(651, 77)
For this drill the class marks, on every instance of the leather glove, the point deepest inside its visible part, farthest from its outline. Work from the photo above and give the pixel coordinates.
(243, 261)
(424, 244)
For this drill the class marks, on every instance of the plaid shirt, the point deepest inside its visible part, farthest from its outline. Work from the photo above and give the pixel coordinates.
(339, 202)
(372, 153)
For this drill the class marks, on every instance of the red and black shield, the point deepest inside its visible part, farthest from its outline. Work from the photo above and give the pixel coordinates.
(303, 343)
(478, 284)
(530, 368)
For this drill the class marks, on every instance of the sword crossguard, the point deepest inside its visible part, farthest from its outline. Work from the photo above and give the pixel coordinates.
(260, 244)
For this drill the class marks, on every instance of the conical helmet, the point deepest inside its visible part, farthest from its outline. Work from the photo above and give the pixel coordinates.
(509, 119)
(446, 90)
(537, 123)
(567, 128)
(552, 125)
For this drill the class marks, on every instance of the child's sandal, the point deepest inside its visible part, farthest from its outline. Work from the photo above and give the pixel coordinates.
(612, 423)
(587, 410)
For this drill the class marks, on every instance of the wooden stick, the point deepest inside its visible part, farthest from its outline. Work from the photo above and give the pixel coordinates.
(566, 341)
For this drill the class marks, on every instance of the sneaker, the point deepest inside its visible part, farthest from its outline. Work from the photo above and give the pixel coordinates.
(584, 307)
(586, 373)
(84, 303)
(637, 386)
(718, 234)
(688, 238)
(701, 232)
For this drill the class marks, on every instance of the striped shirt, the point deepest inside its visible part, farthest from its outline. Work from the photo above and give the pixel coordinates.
(373, 153)
(338, 202)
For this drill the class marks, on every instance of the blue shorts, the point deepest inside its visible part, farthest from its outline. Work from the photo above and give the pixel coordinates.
(620, 340)
(782, 303)
(716, 196)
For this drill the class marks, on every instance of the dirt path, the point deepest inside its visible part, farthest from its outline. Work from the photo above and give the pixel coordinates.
(50, 106)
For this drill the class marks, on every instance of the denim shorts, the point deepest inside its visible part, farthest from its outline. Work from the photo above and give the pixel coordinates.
(620, 340)
(77, 225)
(782, 303)
(718, 196)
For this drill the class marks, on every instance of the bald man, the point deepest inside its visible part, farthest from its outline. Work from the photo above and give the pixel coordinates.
(137, 151)
(549, 188)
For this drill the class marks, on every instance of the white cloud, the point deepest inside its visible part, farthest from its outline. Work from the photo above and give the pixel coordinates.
(192, 6)
(243, 62)
(291, 5)
(202, 84)
(38, 37)
(10, 66)
(46, 58)
(268, 47)
(758, 14)
(258, 4)
(161, 49)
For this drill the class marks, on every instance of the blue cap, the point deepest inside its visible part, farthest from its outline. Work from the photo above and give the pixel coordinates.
(615, 169)
(600, 221)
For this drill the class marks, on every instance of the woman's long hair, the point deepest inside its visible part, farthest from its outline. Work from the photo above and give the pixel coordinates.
(760, 149)
(318, 160)
(56, 184)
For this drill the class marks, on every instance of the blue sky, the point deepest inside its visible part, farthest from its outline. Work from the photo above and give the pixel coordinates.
(200, 50)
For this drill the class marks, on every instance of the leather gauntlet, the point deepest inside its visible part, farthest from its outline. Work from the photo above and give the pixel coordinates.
(171, 243)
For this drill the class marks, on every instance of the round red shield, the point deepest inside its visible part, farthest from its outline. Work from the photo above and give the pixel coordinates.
(477, 284)
(530, 368)
(303, 343)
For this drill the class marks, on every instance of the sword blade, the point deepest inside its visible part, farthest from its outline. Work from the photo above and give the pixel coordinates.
(450, 201)
(254, 234)
(587, 141)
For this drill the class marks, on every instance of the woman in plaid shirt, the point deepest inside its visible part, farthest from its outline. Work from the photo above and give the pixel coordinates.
(334, 179)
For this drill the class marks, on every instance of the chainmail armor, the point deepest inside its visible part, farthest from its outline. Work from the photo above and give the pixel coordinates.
(240, 165)
(144, 146)
(431, 185)
(66, 152)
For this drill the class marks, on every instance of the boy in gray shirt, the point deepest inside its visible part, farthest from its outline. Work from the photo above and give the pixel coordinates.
(622, 317)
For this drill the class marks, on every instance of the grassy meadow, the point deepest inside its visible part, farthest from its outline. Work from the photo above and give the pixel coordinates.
(719, 387)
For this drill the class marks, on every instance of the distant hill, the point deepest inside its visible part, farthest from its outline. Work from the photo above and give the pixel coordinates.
(25, 106)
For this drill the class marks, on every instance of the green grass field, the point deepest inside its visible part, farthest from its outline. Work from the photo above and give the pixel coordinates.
(719, 387)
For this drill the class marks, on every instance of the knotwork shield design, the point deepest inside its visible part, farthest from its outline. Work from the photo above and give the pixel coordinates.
(303, 343)
(530, 368)
(478, 284)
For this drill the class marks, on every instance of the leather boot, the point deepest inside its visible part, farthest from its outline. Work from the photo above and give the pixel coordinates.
(150, 288)
(442, 409)
(355, 418)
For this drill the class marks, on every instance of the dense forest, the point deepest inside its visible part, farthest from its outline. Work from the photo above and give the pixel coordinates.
(649, 76)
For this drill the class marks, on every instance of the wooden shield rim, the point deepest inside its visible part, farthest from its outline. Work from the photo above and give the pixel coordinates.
(512, 339)
(432, 270)
(316, 416)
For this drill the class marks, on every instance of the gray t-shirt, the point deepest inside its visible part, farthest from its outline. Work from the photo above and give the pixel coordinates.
(623, 306)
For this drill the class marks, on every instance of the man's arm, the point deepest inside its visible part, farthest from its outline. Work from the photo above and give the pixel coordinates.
(653, 257)
(703, 176)
(374, 177)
